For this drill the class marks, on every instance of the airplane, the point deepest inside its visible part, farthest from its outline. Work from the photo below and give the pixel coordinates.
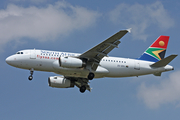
(78, 69)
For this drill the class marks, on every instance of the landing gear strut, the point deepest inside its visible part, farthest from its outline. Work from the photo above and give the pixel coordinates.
(91, 76)
(82, 89)
(31, 72)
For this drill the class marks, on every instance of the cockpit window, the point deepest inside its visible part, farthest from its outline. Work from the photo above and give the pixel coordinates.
(19, 53)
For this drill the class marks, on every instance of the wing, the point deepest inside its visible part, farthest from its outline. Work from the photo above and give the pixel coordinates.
(95, 54)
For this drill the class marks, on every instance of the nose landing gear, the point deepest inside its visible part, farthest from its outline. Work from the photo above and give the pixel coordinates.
(31, 72)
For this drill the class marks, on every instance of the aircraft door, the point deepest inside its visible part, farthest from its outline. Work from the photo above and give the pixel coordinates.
(136, 65)
(33, 54)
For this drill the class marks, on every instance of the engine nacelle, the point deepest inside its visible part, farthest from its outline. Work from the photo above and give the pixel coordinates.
(60, 82)
(70, 62)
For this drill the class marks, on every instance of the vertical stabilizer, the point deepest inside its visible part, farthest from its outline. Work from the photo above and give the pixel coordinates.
(157, 50)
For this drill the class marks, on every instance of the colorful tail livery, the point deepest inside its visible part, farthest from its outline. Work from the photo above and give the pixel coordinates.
(157, 50)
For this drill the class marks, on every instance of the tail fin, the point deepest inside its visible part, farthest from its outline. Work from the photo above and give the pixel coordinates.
(156, 51)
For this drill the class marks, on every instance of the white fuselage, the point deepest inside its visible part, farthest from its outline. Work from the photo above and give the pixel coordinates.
(43, 60)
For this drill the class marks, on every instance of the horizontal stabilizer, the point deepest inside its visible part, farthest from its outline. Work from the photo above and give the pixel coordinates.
(164, 61)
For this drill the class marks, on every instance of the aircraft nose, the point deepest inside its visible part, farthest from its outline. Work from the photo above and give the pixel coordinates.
(9, 60)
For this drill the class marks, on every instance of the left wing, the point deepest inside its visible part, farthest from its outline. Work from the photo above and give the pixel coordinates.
(95, 54)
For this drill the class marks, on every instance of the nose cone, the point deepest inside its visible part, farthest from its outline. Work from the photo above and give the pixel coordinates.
(9, 60)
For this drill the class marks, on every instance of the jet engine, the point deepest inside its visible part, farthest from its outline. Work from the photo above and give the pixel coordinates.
(60, 82)
(70, 62)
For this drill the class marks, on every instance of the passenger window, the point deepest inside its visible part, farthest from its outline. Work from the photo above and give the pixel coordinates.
(21, 52)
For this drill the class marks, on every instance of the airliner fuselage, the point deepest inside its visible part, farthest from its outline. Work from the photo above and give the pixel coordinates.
(43, 60)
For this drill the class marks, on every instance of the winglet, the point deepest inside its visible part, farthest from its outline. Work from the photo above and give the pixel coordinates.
(129, 30)
(164, 61)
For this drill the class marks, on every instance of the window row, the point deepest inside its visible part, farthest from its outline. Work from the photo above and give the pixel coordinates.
(114, 61)
(51, 55)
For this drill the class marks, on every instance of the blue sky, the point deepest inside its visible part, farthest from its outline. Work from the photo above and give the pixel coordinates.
(76, 26)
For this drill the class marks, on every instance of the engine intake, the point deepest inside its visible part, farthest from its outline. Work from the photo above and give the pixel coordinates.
(60, 82)
(70, 62)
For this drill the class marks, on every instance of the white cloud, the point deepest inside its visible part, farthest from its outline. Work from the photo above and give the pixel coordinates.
(141, 17)
(167, 92)
(45, 23)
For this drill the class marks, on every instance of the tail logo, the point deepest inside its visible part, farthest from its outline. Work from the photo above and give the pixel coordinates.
(161, 43)
(157, 50)
(158, 53)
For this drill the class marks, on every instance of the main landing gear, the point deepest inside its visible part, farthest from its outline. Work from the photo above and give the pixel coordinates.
(91, 76)
(82, 89)
(31, 72)
(82, 84)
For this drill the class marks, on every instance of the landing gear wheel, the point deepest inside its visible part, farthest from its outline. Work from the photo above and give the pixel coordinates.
(91, 76)
(31, 72)
(30, 77)
(82, 89)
